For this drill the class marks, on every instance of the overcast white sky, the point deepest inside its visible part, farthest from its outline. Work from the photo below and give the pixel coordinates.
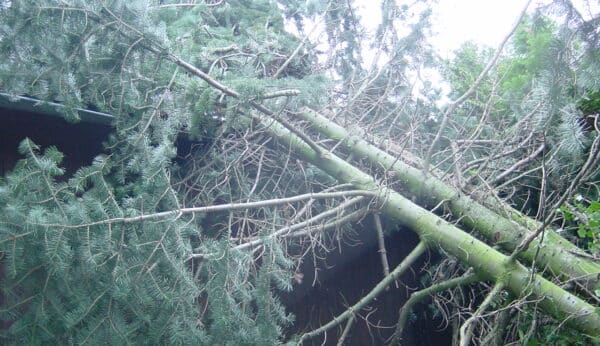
(457, 21)
(483, 21)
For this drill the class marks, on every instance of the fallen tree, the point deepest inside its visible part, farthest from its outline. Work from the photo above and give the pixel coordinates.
(555, 253)
(552, 251)
(489, 263)
(128, 236)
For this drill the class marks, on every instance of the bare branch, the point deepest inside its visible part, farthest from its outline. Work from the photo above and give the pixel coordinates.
(221, 207)
(466, 279)
(454, 105)
(280, 93)
(520, 163)
(381, 246)
(376, 291)
(466, 330)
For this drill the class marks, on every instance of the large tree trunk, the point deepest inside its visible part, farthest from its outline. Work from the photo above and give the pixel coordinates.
(487, 262)
(552, 252)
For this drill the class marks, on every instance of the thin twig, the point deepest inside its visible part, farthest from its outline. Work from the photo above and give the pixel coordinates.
(466, 330)
(467, 278)
(351, 311)
(289, 230)
(520, 163)
(454, 105)
(381, 246)
(594, 152)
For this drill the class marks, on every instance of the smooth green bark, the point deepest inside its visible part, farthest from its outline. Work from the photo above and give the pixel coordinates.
(553, 252)
(487, 262)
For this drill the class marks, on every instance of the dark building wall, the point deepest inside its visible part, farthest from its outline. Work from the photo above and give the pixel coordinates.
(348, 275)
(80, 142)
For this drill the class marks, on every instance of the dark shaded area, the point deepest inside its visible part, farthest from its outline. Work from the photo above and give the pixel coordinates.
(79, 142)
(345, 277)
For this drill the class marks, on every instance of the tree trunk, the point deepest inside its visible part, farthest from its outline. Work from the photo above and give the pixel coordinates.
(487, 262)
(553, 252)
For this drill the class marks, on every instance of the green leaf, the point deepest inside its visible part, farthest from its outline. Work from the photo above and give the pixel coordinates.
(594, 206)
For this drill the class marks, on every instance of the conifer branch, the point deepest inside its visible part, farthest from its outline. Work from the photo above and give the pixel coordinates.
(158, 105)
(221, 207)
(290, 230)
(211, 81)
(230, 92)
(199, 73)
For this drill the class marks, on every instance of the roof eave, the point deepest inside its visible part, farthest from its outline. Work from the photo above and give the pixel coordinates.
(29, 104)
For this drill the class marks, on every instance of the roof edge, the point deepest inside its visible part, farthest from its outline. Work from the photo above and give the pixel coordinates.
(33, 105)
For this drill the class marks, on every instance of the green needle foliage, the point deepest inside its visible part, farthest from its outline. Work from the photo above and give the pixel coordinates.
(75, 271)
(69, 280)
(542, 87)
